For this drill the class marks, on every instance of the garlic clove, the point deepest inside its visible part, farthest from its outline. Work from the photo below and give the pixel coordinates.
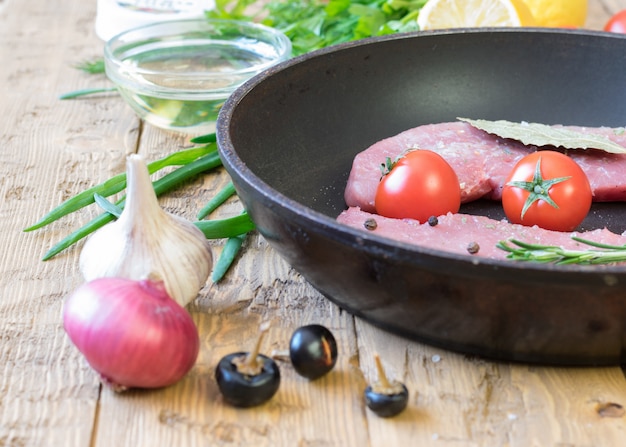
(147, 240)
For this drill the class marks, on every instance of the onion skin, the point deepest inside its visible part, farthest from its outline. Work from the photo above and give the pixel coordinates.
(131, 332)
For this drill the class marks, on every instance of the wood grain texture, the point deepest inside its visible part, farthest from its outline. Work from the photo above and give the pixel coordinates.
(51, 150)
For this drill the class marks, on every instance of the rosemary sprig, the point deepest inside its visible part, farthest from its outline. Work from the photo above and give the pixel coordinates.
(95, 66)
(598, 254)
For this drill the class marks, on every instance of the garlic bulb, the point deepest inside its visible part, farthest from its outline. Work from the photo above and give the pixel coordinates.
(146, 240)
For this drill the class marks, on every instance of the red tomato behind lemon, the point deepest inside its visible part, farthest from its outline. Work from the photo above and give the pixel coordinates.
(571, 195)
(617, 23)
(421, 184)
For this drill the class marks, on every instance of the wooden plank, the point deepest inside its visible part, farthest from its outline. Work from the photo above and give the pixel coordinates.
(228, 315)
(193, 413)
(49, 150)
(460, 400)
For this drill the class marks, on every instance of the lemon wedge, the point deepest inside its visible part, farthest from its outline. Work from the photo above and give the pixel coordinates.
(443, 14)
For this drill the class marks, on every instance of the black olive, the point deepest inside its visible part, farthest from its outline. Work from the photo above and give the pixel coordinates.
(247, 379)
(313, 351)
(387, 405)
(385, 398)
(243, 390)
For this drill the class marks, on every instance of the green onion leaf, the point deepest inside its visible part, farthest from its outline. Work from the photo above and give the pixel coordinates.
(221, 197)
(87, 91)
(118, 183)
(162, 185)
(107, 206)
(204, 139)
(231, 248)
(225, 228)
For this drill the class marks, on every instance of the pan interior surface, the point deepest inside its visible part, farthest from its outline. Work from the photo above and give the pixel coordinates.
(288, 138)
(328, 108)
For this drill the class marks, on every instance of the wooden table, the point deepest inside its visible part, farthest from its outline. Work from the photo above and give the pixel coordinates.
(52, 149)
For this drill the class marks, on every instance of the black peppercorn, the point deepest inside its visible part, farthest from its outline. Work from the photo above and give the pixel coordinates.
(473, 248)
(370, 224)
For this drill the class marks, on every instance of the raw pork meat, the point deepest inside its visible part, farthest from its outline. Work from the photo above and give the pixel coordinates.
(455, 232)
(482, 162)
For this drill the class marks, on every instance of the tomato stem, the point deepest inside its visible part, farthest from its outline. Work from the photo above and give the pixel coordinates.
(387, 166)
(538, 188)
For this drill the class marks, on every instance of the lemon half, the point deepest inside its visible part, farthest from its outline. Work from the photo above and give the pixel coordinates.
(443, 14)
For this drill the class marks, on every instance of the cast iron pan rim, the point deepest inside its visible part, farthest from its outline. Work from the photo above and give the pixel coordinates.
(425, 34)
(307, 218)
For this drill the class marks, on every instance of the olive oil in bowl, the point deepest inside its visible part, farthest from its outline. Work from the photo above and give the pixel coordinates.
(177, 75)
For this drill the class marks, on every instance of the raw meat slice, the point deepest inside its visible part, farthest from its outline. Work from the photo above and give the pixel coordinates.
(455, 232)
(482, 162)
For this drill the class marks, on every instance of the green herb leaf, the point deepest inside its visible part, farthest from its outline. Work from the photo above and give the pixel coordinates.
(536, 134)
(315, 24)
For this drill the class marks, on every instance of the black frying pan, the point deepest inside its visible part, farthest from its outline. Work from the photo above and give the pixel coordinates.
(289, 135)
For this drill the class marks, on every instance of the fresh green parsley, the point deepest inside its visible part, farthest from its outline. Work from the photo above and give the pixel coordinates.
(315, 24)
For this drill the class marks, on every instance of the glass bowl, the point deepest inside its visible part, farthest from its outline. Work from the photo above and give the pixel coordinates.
(177, 74)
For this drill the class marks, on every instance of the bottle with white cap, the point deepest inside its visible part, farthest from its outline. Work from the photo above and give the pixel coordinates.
(116, 16)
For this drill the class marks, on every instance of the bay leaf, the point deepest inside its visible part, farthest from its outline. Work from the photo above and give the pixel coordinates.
(535, 134)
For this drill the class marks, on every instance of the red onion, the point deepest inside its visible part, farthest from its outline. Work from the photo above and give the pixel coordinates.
(131, 332)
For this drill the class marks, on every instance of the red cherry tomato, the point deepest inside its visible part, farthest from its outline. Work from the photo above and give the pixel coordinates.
(543, 177)
(419, 185)
(617, 23)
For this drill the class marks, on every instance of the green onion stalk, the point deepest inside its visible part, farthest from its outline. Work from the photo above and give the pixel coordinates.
(189, 163)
